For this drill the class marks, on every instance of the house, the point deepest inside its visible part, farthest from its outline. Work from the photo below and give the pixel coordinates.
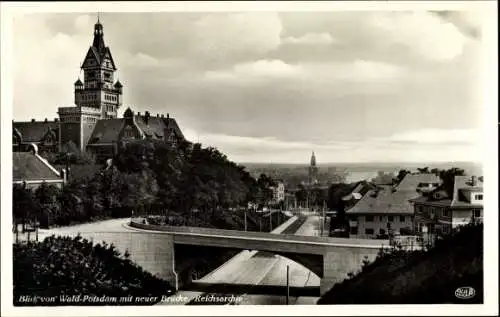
(31, 170)
(109, 133)
(439, 211)
(387, 208)
(356, 194)
(45, 134)
(278, 192)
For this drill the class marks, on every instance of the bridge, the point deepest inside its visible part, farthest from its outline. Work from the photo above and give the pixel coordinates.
(331, 259)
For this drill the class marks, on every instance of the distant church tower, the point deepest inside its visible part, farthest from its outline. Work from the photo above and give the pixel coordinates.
(96, 97)
(313, 170)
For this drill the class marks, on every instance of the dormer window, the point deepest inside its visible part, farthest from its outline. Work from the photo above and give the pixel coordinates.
(479, 197)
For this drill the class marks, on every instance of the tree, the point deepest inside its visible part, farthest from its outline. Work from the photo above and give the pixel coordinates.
(301, 194)
(401, 174)
(24, 204)
(424, 170)
(336, 193)
(448, 179)
(76, 156)
(47, 197)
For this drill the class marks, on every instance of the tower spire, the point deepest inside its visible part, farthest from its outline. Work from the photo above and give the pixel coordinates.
(98, 42)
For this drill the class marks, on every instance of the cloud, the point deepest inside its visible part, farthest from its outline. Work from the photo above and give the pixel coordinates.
(83, 23)
(219, 35)
(424, 34)
(310, 39)
(439, 136)
(417, 146)
(273, 78)
(308, 73)
(262, 69)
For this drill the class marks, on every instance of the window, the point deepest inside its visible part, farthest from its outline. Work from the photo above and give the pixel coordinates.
(446, 212)
(476, 213)
(381, 218)
(381, 231)
(354, 230)
(401, 218)
(369, 218)
(390, 218)
(479, 197)
(369, 231)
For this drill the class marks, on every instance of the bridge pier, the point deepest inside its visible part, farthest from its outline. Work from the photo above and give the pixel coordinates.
(337, 264)
(167, 270)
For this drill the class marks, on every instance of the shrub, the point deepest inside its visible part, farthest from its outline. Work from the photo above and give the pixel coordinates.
(73, 266)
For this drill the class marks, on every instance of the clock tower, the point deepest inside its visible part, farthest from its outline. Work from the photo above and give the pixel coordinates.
(97, 97)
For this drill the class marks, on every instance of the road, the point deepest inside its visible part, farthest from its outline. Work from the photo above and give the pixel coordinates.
(272, 271)
(262, 268)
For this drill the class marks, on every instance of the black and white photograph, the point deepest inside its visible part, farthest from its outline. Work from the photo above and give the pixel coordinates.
(176, 157)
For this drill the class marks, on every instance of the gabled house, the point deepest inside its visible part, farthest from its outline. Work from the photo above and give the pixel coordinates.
(440, 211)
(45, 134)
(388, 208)
(108, 134)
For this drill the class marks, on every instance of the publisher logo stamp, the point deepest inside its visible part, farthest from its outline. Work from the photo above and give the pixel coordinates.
(465, 292)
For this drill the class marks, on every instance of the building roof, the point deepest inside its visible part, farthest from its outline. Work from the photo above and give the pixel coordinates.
(462, 184)
(33, 132)
(359, 191)
(27, 166)
(393, 200)
(108, 130)
(384, 201)
(411, 181)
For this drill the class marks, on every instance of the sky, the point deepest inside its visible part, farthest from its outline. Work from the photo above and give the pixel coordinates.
(352, 86)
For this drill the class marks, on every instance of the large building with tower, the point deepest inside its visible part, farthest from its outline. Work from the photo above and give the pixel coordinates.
(92, 124)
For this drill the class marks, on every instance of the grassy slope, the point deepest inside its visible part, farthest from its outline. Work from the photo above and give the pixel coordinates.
(418, 277)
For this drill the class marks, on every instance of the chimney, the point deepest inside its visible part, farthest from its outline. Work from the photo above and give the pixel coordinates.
(45, 120)
(473, 180)
(168, 116)
(56, 120)
(157, 115)
(162, 115)
(146, 117)
(138, 113)
(32, 120)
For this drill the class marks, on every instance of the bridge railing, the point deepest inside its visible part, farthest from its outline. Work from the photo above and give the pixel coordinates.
(254, 234)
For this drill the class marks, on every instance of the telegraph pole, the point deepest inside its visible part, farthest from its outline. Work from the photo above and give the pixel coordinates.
(287, 284)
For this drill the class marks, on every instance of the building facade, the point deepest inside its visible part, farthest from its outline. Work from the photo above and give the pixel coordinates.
(97, 97)
(278, 193)
(44, 134)
(388, 208)
(92, 124)
(313, 170)
(109, 134)
(439, 211)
